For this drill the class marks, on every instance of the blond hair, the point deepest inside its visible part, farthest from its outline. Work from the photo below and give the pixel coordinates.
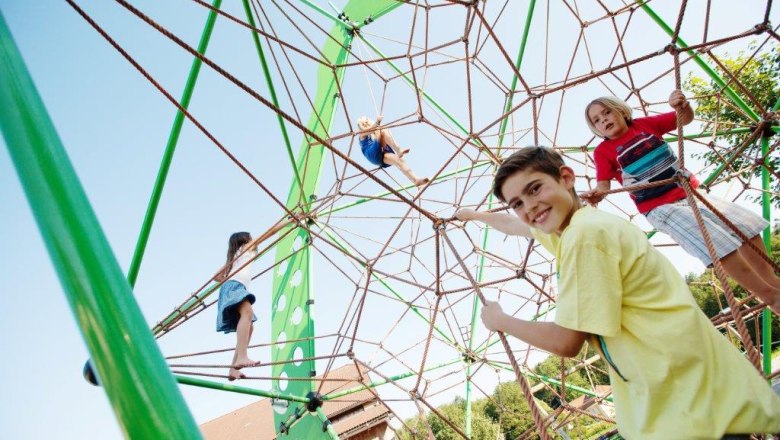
(613, 104)
(364, 123)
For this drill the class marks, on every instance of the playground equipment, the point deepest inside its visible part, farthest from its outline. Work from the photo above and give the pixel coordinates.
(412, 278)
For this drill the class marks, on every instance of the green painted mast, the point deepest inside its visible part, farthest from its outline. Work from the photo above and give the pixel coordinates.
(766, 317)
(292, 298)
(145, 398)
(170, 148)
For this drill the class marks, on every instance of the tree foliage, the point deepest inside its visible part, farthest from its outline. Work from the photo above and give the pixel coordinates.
(505, 413)
(509, 409)
(706, 290)
(482, 427)
(551, 367)
(760, 76)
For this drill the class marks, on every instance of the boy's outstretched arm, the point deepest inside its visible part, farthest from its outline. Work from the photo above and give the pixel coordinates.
(547, 336)
(509, 224)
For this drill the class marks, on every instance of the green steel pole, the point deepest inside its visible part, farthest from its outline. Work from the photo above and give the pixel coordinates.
(710, 133)
(146, 401)
(425, 94)
(326, 13)
(187, 380)
(552, 381)
(386, 193)
(704, 66)
(195, 300)
(184, 309)
(414, 309)
(272, 90)
(474, 307)
(687, 136)
(379, 13)
(766, 321)
(354, 390)
(351, 24)
(569, 387)
(173, 139)
(766, 318)
(480, 270)
(326, 425)
(708, 70)
(519, 62)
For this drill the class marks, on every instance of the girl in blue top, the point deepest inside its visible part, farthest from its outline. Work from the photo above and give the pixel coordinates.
(380, 148)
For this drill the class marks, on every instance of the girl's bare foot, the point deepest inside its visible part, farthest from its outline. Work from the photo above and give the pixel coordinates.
(422, 182)
(244, 362)
(404, 152)
(234, 374)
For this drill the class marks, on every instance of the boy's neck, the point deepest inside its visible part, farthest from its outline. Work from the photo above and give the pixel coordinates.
(575, 207)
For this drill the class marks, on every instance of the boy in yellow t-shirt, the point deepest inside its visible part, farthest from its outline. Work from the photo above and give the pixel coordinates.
(673, 375)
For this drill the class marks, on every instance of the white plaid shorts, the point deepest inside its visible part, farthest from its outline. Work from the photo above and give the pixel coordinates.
(678, 221)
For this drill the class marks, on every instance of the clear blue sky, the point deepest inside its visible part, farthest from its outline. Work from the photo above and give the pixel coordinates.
(114, 127)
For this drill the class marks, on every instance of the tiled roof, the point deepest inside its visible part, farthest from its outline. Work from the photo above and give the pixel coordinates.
(584, 402)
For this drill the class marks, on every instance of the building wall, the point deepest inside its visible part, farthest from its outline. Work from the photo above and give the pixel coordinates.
(378, 432)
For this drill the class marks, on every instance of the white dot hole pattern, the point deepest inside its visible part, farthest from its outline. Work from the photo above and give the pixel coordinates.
(298, 355)
(296, 278)
(280, 406)
(297, 316)
(282, 267)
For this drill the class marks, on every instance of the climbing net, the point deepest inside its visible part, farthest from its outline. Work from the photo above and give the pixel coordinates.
(399, 281)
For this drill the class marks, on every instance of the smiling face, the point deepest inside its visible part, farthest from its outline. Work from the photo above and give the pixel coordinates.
(540, 200)
(609, 123)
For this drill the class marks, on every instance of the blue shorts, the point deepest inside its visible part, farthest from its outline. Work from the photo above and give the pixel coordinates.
(373, 152)
(231, 294)
(676, 220)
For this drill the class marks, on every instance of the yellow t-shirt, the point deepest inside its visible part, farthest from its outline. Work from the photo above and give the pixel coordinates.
(674, 376)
